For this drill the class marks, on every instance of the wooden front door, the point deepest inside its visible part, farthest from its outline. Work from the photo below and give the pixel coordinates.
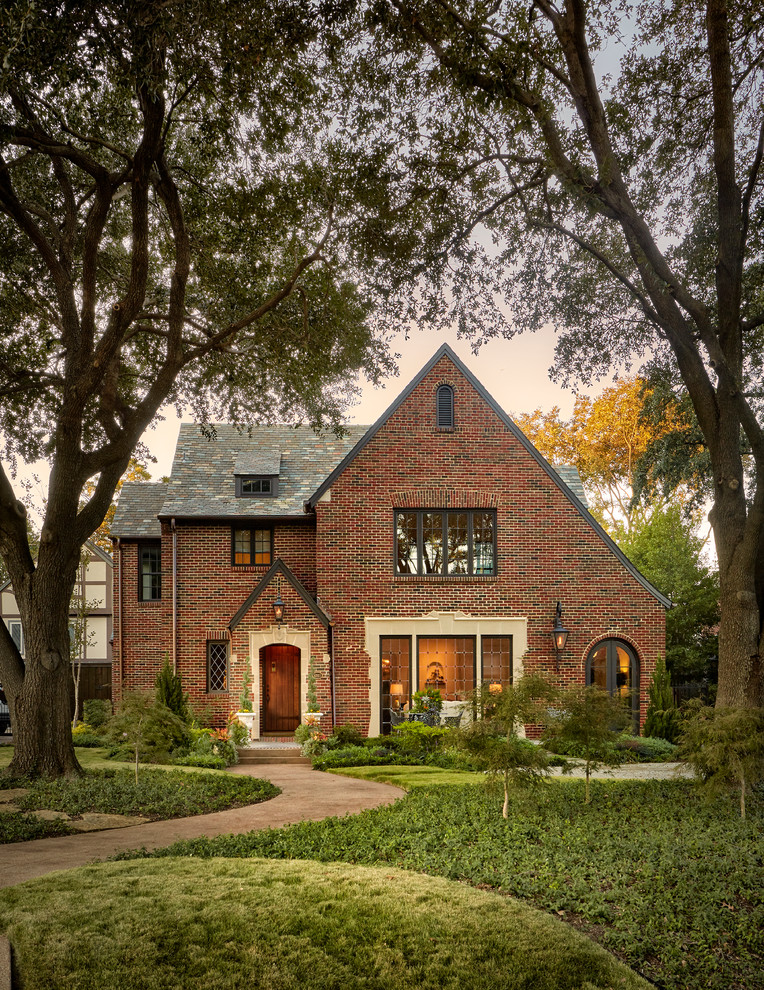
(281, 688)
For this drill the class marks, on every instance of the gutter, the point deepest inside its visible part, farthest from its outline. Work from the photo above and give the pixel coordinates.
(330, 644)
(119, 610)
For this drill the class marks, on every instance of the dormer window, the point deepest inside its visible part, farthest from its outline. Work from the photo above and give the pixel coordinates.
(444, 407)
(249, 485)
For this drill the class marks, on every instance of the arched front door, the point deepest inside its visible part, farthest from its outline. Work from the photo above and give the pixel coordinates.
(612, 665)
(280, 665)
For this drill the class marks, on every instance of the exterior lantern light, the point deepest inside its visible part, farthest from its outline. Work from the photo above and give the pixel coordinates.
(494, 687)
(278, 609)
(559, 633)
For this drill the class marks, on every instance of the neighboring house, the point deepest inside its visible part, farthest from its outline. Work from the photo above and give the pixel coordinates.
(430, 549)
(95, 678)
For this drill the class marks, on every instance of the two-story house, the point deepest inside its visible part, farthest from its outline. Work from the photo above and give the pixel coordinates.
(430, 549)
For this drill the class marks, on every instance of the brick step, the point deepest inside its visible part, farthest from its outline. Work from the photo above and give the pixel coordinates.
(262, 755)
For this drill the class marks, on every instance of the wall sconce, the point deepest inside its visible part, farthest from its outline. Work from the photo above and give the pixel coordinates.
(396, 693)
(278, 609)
(559, 634)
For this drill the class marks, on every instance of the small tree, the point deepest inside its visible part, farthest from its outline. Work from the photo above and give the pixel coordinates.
(724, 746)
(589, 720)
(313, 705)
(169, 691)
(662, 714)
(494, 740)
(147, 726)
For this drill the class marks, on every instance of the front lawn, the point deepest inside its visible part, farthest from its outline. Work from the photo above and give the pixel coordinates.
(408, 777)
(230, 924)
(672, 885)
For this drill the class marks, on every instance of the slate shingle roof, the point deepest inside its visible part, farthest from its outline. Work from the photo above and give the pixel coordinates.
(202, 483)
(569, 475)
(140, 503)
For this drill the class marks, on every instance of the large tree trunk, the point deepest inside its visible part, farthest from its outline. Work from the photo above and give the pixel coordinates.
(737, 536)
(40, 701)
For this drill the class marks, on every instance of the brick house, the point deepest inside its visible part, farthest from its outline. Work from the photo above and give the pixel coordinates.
(430, 549)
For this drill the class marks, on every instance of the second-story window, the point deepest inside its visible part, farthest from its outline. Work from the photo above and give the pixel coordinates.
(150, 572)
(445, 542)
(251, 546)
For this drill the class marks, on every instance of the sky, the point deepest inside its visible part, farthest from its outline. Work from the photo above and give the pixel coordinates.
(515, 372)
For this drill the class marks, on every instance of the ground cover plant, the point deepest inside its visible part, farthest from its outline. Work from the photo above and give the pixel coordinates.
(286, 926)
(158, 794)
(669, 882)
(15, 827)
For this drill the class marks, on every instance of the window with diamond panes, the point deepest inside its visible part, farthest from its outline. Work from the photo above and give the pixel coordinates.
(217, 667)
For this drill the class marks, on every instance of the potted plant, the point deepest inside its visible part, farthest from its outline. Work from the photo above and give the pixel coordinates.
(245, 715)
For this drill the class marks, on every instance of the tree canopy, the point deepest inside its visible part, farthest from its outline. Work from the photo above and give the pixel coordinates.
(597, 167)
(173, 228)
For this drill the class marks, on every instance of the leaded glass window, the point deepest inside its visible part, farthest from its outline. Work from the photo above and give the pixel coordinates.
(217, 667)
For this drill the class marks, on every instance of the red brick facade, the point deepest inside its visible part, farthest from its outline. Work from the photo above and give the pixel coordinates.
(547, 550)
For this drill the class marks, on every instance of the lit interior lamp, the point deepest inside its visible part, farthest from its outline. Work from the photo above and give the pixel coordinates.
(278, 610)
(559, 633)
(396, 693)
(494, 687)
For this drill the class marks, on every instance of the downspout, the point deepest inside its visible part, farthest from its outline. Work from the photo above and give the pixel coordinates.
(174, 597)
(330, 643)
(119, 614)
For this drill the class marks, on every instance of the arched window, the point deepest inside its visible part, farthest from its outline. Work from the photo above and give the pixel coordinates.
(612, 665)
(444, 414)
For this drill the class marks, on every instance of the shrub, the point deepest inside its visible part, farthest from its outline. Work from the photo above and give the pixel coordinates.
(205, 760)
(96, 712)
(169, 692)
(418, 739)
(725, 747)
(359, 756)
(209, 744)
(150, 729)
(238, 733)
(646, 749)
(663, 719)
(345, 735)
(87, 740)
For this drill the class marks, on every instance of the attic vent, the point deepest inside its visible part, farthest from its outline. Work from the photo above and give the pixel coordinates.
(445, 407)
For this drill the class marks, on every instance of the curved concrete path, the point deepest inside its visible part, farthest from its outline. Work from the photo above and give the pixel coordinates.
(305, 796)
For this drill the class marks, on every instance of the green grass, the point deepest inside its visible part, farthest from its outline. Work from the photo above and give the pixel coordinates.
(674, 886)
(409, 777)
(232, 924)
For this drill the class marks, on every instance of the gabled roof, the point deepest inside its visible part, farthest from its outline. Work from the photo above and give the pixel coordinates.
(280, 568)
(203, 480)
(573, 498)
(140, 502)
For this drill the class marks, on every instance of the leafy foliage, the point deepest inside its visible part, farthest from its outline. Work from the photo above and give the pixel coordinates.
(169, 691)
(725, 746)
(148, 727)
(590, 719)
(96, 712)
(662, 718)
(668, 551)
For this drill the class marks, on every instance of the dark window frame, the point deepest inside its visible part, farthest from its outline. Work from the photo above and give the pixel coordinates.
(243, 479)
(385, 723)
(444, 409)
(611, 644)
(252, 530)
(508, 636)
(443, 572)
(145, 547)
(210, 644)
